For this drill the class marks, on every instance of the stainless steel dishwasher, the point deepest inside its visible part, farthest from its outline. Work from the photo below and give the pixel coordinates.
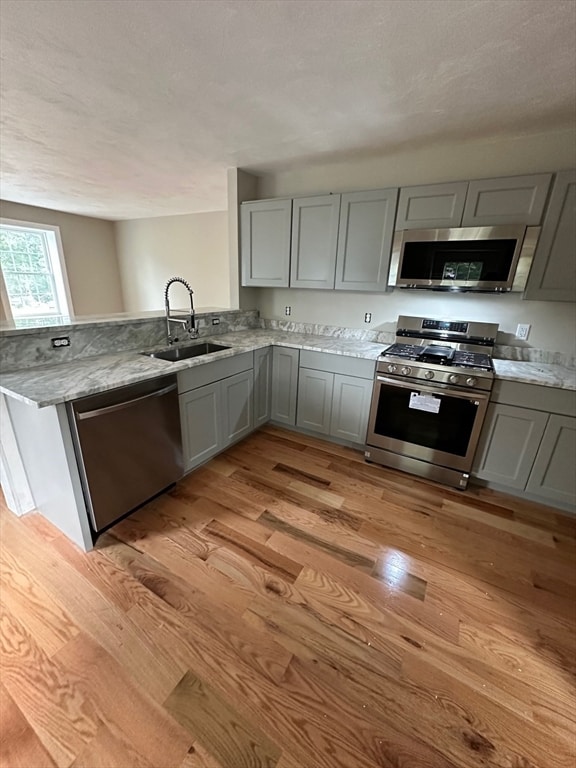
(128, 445)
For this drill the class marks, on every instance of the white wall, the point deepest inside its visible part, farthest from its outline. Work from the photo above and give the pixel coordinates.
(89, 253)
(193, 246)
(553, 323)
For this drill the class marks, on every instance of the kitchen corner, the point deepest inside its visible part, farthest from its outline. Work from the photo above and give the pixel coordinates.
(36, 393)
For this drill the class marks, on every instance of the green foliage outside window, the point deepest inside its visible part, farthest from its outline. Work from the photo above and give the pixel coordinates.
(27, 272)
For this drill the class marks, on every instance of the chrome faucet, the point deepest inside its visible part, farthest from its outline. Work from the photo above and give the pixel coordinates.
(185, 319)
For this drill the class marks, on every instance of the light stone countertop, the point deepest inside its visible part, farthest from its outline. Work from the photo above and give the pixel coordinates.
(52, 384)
(542, 374)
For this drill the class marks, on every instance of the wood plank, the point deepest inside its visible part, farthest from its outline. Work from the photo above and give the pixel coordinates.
(222, 731)
(123, 706)
(46, 693)
(347, 614)
(20, 747)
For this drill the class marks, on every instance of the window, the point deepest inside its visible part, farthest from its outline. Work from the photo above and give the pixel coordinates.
(34, 278)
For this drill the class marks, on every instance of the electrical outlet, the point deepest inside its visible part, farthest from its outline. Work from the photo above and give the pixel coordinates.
(215, 321)
(523, 331)
(60, 341)
(287, 310)
(368, 317)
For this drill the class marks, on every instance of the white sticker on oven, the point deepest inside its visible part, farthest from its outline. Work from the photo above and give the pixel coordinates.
(424, 402)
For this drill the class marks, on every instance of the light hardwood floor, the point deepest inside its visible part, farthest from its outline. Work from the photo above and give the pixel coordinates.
(290, 606)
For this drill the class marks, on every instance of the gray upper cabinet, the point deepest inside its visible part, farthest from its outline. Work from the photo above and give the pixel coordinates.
(553, 274)
(284, 384)
(510, 200)
(265, 242)
(433, 206)
(553, 475)
(365, 240)
(262, 386)
(314, 240)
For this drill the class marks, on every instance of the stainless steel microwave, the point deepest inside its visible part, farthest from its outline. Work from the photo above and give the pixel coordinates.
(489, 259)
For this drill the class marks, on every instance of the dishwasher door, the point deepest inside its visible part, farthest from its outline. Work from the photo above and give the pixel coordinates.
(129, 446)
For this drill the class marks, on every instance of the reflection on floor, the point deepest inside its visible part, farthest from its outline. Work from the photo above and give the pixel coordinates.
(290, 606)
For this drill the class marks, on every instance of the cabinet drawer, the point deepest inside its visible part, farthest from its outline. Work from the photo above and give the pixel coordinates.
(549, 399)
(209, 372)
(348, 366)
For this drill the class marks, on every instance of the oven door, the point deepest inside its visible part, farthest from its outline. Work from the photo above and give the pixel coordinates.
(435, 423)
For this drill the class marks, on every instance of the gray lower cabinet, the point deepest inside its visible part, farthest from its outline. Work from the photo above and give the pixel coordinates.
(553, 274)
(200, 420)
(216, 406)
(510, 440)
(553, 475)
(509, 200)
(236, 402)
(284, 384)
(365, 239)
(334, 393)
(350, 408)
(431, 206)
(314, 239)
(528, 442)
(262, 386)
(265, 242)
(315, 390)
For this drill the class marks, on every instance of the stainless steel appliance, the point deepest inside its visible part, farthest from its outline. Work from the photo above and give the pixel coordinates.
(489, 259)
(431, 391)
(128, 446)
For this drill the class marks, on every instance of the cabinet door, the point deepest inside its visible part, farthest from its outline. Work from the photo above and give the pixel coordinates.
(199, 418)
(350, 408)
(314, 241)
(553, 475)
(315, 390)
(284, 384)
(265, 242)
(553, 274)
(511, 200)
(508, 444)
(262, 386)
(365, 240)
(237, 393)
(432, 206)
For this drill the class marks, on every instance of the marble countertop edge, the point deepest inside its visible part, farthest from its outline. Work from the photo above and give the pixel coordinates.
(54, 384)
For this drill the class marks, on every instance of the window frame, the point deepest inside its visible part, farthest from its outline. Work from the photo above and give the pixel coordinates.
(57, 263)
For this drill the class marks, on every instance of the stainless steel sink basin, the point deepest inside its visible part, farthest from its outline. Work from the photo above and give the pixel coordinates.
(175, 354)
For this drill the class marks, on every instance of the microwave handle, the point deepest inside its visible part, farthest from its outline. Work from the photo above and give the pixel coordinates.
(437, 389)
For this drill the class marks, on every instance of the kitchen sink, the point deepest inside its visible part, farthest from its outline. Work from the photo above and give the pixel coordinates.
(175, 354)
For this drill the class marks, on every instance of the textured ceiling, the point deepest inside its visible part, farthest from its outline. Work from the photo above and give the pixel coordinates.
(132, 108)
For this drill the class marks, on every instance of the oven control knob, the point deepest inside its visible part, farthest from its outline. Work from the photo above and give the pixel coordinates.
(453, 378)
(406, 371)
(391, 368)
(471, 381)
(429, 375)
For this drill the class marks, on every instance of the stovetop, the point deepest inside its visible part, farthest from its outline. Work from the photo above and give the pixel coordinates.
(461, 358)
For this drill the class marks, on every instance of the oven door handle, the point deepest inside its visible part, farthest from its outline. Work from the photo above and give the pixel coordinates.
(438, 389)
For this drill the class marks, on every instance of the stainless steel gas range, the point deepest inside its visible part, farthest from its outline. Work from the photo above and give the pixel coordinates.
(430, 396)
